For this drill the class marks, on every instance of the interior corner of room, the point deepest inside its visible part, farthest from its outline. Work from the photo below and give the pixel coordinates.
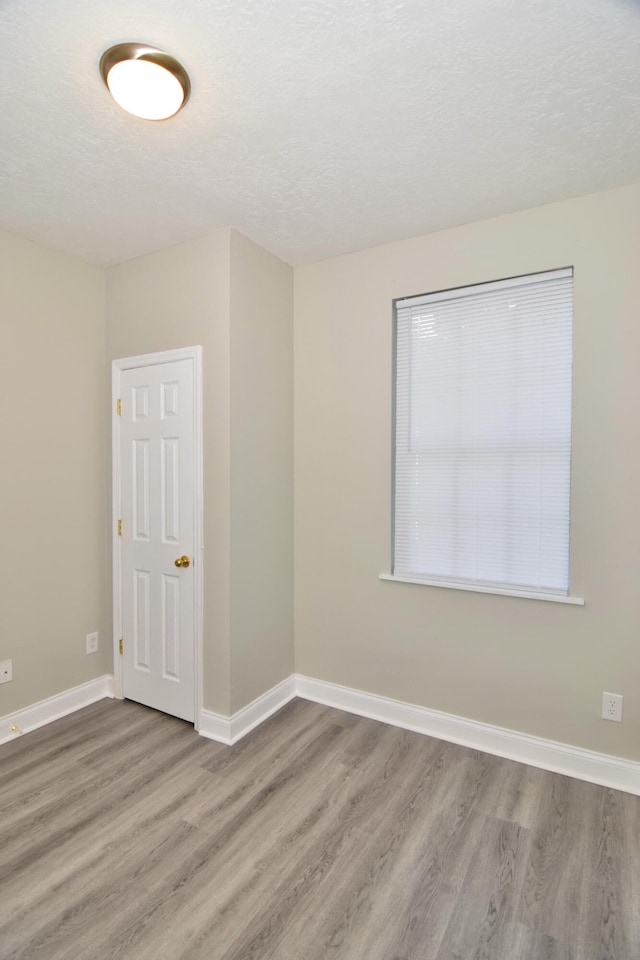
(297, 425)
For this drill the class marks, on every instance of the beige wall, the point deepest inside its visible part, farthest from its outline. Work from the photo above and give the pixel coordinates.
(524, 664)
(261, 324)
(54, 559)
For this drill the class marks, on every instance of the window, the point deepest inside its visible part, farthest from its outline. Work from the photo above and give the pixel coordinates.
(483, 435)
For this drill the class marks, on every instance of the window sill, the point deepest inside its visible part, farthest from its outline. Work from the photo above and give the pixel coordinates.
(452, 585)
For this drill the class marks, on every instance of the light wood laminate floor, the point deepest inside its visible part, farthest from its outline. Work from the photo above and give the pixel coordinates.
(320, 835)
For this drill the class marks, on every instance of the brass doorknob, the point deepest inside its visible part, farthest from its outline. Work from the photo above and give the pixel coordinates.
(182, 562)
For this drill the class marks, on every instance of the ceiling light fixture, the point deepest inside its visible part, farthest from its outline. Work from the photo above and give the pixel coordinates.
(145, 81)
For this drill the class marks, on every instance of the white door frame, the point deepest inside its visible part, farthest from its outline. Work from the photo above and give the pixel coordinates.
(128, 363)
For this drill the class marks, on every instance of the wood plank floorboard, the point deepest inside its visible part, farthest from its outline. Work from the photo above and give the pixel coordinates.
(319, 836)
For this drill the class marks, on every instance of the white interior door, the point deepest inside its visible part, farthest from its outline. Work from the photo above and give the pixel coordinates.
(158, 491)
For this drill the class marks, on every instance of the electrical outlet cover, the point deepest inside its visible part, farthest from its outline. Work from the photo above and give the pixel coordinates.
(612, 707)
(92, 643)
(6, 671)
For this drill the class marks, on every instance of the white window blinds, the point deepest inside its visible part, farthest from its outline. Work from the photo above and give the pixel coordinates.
(483, 434)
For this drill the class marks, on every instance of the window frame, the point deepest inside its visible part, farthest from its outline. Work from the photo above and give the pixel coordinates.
(475, 586)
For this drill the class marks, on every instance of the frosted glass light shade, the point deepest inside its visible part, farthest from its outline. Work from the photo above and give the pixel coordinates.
(145, 82)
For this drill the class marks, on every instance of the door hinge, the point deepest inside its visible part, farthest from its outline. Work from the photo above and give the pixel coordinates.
(121, 646)
(119, 528)
(119, 407)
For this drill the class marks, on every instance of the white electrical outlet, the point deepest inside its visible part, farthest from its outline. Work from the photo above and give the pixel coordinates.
(92, 643)
(6, 671)
(612, 707)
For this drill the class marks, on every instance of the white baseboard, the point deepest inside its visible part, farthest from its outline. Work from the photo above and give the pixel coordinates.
(214, 726)
(231, 729)
(46, 711)
(562, 758)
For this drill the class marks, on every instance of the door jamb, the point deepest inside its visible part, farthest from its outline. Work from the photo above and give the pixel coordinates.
(129, 363)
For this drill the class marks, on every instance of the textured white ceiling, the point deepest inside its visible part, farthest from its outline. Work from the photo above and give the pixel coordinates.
(315, 127)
